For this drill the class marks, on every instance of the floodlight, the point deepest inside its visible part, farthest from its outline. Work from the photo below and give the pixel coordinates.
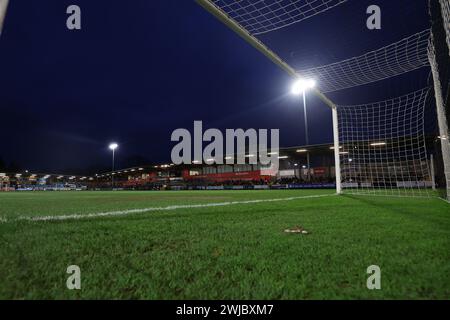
(113, 146)
(302, 85)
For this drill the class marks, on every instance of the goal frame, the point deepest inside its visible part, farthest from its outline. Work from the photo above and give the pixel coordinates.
(231, 23)
(261, 47)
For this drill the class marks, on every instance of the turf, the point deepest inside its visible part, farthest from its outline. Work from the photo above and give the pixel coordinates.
(229, 252)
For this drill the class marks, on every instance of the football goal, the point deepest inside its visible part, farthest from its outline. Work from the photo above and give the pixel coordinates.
(380, 148)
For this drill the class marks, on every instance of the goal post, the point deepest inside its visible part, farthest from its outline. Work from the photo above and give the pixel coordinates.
(336, 147)
(439, 57)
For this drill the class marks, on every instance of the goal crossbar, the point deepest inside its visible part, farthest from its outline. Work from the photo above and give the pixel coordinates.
(256, 43)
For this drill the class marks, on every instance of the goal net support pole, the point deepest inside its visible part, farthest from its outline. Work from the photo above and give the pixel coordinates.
(442, 121)
(439, 56)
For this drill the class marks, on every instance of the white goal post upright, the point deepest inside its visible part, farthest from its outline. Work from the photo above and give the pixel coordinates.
(442, 119)
(438, 54)
(337, 159)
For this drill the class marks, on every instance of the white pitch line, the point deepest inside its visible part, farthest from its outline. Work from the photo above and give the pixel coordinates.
(144, 210)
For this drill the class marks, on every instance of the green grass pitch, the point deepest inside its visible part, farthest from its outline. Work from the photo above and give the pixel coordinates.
(236, 251)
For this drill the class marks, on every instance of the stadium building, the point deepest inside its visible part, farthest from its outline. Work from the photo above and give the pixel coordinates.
(292, 173)
(28, 181)
(292, 169)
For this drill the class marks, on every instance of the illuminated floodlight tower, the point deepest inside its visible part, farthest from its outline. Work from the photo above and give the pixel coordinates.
(299, 88)
(113, 146)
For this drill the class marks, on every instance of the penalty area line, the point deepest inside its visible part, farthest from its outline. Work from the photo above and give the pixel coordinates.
(154, 209)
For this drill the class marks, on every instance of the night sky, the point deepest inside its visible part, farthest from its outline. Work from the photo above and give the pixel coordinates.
(140, 69)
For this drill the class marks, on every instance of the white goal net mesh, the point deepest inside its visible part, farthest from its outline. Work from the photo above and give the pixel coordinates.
(382, 147)
(262, 16)
(395, 59)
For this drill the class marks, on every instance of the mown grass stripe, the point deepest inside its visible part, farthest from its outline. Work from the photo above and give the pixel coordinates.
(151, 209)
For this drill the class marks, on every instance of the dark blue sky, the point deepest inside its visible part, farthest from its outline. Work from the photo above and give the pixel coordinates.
(140, 69)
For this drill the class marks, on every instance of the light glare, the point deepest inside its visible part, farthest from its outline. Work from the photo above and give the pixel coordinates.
(377, 144)
(302, 85)
(113, 146)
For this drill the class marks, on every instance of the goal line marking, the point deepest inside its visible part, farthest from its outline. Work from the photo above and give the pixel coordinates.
(152, 209)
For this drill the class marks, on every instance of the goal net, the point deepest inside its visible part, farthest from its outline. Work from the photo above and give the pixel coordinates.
(382, 147)
(406, 55)
(259, 16)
